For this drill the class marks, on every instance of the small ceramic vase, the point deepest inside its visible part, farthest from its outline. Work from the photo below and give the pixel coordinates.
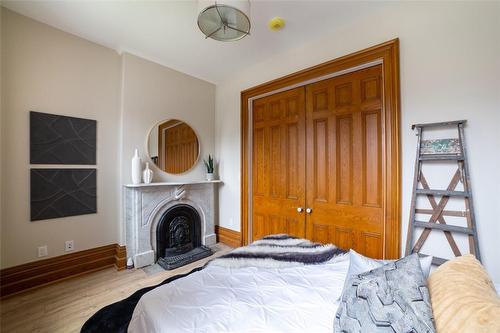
(147, 174)
(136, 168)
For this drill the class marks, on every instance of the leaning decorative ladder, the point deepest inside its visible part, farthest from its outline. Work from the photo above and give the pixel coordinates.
(442, 150)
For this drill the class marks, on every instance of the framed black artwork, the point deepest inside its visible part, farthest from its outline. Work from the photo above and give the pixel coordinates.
(62, 192)
(56, 139)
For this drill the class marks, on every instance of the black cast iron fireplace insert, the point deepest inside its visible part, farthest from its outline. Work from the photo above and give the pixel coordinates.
(178, 237)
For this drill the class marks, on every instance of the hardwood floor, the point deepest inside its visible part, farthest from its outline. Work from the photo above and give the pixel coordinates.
(65, 306)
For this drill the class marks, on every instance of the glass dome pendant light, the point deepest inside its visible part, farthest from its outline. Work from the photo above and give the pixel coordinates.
(224, 20)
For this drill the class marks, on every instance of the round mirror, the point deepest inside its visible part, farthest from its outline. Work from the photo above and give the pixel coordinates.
(173, 146)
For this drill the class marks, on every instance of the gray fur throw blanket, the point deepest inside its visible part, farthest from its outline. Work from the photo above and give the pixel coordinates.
(277, 251)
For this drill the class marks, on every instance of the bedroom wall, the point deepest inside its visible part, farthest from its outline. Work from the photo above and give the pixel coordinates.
(47, 70)
(152, 93)
(450, 69)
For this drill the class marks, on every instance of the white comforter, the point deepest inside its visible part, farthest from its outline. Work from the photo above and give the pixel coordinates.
(221, 299)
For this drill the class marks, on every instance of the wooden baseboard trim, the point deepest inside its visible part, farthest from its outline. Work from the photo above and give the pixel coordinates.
(120, 257)
(228, 236)
(39, 273)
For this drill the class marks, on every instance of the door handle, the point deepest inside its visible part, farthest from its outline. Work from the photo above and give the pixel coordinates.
(300, 209)
(309, 210)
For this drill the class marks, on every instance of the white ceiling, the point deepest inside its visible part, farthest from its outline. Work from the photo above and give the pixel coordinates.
(166, 31)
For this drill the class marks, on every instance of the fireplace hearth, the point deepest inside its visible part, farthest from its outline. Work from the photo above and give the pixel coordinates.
(178, 237)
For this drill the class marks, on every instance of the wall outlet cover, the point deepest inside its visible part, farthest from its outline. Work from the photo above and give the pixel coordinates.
(69, 245)
(42, 251)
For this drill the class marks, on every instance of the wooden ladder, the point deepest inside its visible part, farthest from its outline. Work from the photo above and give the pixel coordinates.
(441, 150)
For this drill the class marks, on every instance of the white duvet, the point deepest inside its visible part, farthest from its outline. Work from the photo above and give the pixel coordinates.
(249, 299)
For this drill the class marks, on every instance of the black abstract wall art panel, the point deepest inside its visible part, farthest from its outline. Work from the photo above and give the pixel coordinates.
(62, 192)
(56, 139)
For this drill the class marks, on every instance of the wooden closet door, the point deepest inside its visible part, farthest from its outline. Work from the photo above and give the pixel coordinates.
(344, 162)
(278, 170)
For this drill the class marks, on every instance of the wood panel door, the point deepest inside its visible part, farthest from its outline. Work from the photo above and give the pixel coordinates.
(278, 164)
(344, 161)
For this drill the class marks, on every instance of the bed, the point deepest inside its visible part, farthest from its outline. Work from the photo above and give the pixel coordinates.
(285, 284)
(222, 299)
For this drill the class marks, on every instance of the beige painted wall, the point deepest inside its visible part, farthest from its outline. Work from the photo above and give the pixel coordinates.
(48, 70)
(450, 69)
(152, 93)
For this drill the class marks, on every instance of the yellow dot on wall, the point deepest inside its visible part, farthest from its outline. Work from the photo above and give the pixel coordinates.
(276, 23)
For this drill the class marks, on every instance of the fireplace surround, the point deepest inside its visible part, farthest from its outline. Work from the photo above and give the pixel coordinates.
(147, 207)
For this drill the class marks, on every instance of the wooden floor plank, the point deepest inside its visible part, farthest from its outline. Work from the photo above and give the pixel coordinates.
(65, 306)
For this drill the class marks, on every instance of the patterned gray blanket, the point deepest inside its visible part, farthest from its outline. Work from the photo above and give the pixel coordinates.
(279, 250)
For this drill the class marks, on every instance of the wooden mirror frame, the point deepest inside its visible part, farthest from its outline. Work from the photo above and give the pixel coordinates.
(388, 54)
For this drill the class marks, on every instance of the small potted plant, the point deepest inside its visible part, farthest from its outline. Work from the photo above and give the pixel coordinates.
(209, 164)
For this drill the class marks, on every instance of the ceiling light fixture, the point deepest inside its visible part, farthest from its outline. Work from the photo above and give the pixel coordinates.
(224, 20)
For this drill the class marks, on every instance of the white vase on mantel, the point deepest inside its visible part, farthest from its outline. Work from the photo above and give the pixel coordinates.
(210, 177)
(136, 168)
(147, 174)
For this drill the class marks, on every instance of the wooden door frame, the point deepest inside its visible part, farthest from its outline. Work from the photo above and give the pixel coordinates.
(386, 54)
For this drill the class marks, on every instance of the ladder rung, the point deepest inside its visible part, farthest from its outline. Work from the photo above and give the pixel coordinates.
(444, 212)
(444, 227)
(441, 158)
(438, 261)
(435, 260)
(445, 123)
(443, 193)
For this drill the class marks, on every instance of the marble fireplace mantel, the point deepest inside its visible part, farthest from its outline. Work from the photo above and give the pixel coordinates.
(143, 185)
(145, 204)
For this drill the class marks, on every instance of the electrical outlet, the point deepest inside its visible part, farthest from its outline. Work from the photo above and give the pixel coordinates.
(69, 245)
(42, 251)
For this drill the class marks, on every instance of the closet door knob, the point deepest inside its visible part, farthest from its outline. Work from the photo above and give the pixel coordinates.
(309, 210)
(300, 209)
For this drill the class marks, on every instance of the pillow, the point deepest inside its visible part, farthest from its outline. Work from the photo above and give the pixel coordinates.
(359, 264)
(463, 297)
(390, 298)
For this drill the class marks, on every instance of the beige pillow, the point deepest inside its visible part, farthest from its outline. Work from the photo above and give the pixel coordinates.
(463, 297)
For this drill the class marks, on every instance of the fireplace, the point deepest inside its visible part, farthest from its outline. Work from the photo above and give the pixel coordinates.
(147, 204)
(178, 237)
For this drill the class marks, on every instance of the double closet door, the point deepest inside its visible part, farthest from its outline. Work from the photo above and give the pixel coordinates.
(317, 162)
